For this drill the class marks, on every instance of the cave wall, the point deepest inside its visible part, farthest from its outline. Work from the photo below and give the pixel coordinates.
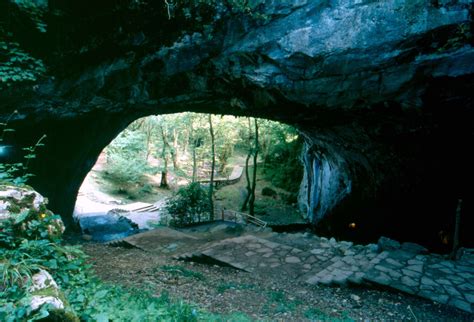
(401, 174)
(381, 91)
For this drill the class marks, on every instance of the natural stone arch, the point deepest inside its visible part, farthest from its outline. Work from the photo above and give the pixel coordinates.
(362, 81)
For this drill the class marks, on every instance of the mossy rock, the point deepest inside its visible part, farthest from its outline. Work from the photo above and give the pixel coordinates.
(43, 291)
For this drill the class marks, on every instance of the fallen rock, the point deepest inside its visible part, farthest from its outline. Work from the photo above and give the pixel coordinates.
(414, 248)
(355, 297)
(107, 227)
(388, 244)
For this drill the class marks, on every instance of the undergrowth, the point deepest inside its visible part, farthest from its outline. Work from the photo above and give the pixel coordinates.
(30, 241)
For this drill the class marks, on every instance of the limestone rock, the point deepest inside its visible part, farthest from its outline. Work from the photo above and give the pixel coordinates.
(39, 300)
(14, 200)
(414, 248)
(401, 71)
(42, 280)
(22, 205)
(107, 227)
(45, 290)
(388, 244)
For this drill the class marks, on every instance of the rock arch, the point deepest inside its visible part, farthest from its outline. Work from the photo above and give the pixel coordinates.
(380, 93)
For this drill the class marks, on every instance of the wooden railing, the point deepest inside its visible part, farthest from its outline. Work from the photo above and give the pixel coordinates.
(239, 217)
(234, 177)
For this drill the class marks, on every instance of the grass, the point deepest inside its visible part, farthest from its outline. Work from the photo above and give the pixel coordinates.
(281, 302)
(146, 190)
(315, 314)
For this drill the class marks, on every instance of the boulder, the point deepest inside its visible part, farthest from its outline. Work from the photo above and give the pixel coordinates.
(22, 208)
(386, 243)
(414, 248)
(107, 227)
(45, 291)
(14, 199)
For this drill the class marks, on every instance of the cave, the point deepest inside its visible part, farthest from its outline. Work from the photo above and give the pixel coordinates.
(380, 91)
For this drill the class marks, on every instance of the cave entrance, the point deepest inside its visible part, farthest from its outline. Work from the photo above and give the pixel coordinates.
(162, 158)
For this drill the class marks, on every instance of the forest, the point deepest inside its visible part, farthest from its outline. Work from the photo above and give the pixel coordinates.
(157, 155)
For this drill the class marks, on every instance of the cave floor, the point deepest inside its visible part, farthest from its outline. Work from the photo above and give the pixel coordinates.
(259, 293)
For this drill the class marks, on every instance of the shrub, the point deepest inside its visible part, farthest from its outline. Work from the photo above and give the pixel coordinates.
(189, 205)
(30, 242)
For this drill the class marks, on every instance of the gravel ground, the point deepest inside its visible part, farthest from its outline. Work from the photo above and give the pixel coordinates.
(260, 296)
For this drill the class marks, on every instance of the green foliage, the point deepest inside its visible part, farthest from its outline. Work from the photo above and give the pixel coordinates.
(28, 243)
(248, 8)
(126, 157)
(283, 304)
(25, 248)
(96, 301)
(189, 205)
(282, 150)
(17, 66)
(17, 173)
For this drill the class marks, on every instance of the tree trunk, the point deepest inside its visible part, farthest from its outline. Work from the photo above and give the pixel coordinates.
(174, 151)
(194, 164)
(213, 166)
(174, 158)
(457, 228)
(164, 175)
(164, 171)
(186, 139)
(247, 177)
(254, 183)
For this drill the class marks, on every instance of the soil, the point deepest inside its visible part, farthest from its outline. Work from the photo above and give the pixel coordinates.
(260, 296)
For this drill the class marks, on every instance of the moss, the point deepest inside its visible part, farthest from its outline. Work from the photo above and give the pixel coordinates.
(61, 316)
(14, 208)
(66, 315)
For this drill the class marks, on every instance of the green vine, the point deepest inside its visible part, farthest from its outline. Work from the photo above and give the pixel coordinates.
(17, 173)
(17, 66)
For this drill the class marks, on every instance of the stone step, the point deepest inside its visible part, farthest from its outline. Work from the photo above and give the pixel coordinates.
(427, 276)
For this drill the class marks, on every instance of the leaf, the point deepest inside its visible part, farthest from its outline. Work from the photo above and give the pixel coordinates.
(101, 317)
(21, 217)
(101, 294)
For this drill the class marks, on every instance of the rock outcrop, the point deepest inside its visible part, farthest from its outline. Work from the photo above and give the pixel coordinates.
(380, 90)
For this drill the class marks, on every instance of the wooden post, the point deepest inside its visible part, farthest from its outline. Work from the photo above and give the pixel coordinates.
(457, 228)
(223, 214)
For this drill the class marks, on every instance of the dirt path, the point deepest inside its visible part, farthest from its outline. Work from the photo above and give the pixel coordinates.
(91, 201)
(259, 295)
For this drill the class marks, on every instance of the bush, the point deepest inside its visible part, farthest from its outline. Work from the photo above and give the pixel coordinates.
(189, 205)
(30, 242)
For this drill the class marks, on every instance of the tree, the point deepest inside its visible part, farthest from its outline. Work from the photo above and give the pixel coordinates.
(164, 156)
(254, 182)
(148, 126)
(213, 166)
(126, 156)
(247, 159)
